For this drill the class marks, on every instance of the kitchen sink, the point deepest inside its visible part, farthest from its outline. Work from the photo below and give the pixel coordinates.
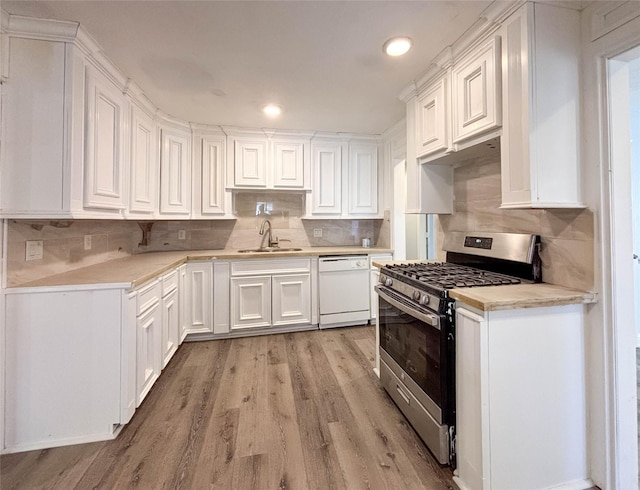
(267, 250)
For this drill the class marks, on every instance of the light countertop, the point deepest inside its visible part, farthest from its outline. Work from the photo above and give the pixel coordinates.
(137, 269)
(493, 298)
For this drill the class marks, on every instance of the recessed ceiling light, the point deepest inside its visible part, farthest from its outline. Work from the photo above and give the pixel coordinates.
(397, 46)
(272, 110)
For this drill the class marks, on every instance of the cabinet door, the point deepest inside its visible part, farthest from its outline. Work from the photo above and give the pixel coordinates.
(128, 358)
(250, 161)
(170, 326)
(199, 297)
(432, 119)
(175, 172)
(291, 299)
(363, 178)
(104, 161)
(148, 350)
(476, 92)
(250, 302)
(212, 176)
(182, 294)
(288, 164)
(143, 190)
(326, 187)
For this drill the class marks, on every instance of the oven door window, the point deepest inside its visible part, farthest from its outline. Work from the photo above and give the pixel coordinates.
(415, 346)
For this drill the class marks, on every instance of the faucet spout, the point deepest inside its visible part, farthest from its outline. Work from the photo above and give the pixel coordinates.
(270, 241)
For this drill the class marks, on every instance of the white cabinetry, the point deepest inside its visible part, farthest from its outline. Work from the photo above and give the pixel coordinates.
(182, 293)
(149, 338)
(143, 175)
(274, 161)
(541, 140)
(170, 315)
(476, 97)
(175, 171)
(345, 179)
(374, 277)
(520, 398)
(210, 199)
(270, 293)
(433, 118)
(67, 365)
(199, 297)
(104, 163)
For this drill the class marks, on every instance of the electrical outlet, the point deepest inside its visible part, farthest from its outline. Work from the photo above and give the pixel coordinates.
(182, 235)
(317, 232)
(87, 242)
(34, 250)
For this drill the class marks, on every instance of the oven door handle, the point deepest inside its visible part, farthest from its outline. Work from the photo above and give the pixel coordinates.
(432, 320)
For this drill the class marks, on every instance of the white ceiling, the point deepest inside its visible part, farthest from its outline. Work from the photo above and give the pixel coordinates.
(218, 62)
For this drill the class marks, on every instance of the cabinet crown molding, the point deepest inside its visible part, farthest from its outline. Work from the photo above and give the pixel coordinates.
(45, 29)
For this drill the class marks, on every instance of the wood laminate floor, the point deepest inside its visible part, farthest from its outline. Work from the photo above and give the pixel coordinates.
(293, 411)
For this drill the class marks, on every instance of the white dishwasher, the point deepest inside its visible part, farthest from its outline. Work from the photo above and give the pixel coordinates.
(343, 290)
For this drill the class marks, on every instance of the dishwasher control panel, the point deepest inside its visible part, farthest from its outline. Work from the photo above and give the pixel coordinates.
(343, 263)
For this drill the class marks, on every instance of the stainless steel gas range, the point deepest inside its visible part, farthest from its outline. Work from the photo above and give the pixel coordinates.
(417, 324)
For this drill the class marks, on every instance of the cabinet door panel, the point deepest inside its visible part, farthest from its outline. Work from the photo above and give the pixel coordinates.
(250, 302)
(199, 298)
(250, 162)
(175, 173)
(291, 299)
(104, 139)
(144, 161)
(212, 186)
(170, 326)
(288, 161)
(432, 120)
(476, 92)
(149, 347)
(363, 179)
(327, 178)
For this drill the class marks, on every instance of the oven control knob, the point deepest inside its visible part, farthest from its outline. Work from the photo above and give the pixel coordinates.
(416, 296)
(424, 300)
(388, 281)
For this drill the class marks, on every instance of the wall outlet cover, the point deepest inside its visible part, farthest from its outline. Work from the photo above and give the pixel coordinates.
(317, 232)
(87, 242)
(182, 234)
(34, 250)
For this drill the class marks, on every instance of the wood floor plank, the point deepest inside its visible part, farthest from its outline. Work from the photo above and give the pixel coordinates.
(300, 410)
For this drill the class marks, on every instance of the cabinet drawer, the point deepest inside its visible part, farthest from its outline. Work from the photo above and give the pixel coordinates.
(148, 297)
(169, 282)
(270, 266)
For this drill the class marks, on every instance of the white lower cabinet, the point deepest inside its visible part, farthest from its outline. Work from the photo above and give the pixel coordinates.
(148, 339)
(170, 318)
(199, 297)
(182, 294)
(520, 398)
(373, 281)
(271, 293)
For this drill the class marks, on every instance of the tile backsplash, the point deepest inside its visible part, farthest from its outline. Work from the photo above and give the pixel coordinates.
(64, 240)
(567, 235)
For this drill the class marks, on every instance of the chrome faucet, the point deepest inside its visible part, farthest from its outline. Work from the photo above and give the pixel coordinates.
(271, 242)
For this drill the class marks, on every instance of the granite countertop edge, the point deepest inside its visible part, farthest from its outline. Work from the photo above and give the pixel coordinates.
(135, 270)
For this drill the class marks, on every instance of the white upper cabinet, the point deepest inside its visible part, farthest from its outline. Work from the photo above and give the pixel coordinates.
(540, 139)
(104, 163)
(326, 181)
(275, 161)
(210, 200)
(175, 171)
(476, 97)
(363, 178)
(432, 124)
(346, 178)
(143, 175)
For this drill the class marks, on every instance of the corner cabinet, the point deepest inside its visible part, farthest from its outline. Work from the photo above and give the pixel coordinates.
(175, 171)
(507, 363)
(540, 140)
(210, 199)
(199, 297)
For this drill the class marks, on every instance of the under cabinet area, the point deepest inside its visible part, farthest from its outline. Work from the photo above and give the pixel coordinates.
(520, 398)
